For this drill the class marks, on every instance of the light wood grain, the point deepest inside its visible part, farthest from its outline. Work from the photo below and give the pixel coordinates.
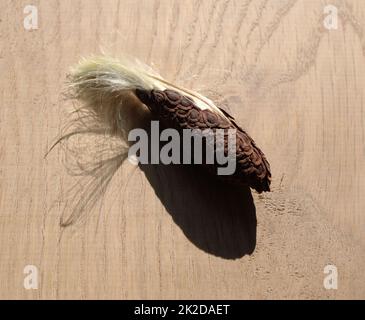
(297, 87)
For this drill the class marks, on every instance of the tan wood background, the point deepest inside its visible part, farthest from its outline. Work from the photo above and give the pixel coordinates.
(297, 87)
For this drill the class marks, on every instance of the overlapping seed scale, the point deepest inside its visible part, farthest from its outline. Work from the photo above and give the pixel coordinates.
(173, 97)
(252, 166)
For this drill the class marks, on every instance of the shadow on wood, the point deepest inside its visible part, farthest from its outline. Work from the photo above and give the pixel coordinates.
(217, 217)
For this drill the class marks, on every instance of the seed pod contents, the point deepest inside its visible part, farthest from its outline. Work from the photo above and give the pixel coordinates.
(117, 92)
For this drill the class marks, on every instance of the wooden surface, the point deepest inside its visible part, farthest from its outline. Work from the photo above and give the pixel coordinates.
(160, 232)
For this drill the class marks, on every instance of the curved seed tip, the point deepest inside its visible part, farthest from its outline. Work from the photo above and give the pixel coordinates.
(144, 96)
